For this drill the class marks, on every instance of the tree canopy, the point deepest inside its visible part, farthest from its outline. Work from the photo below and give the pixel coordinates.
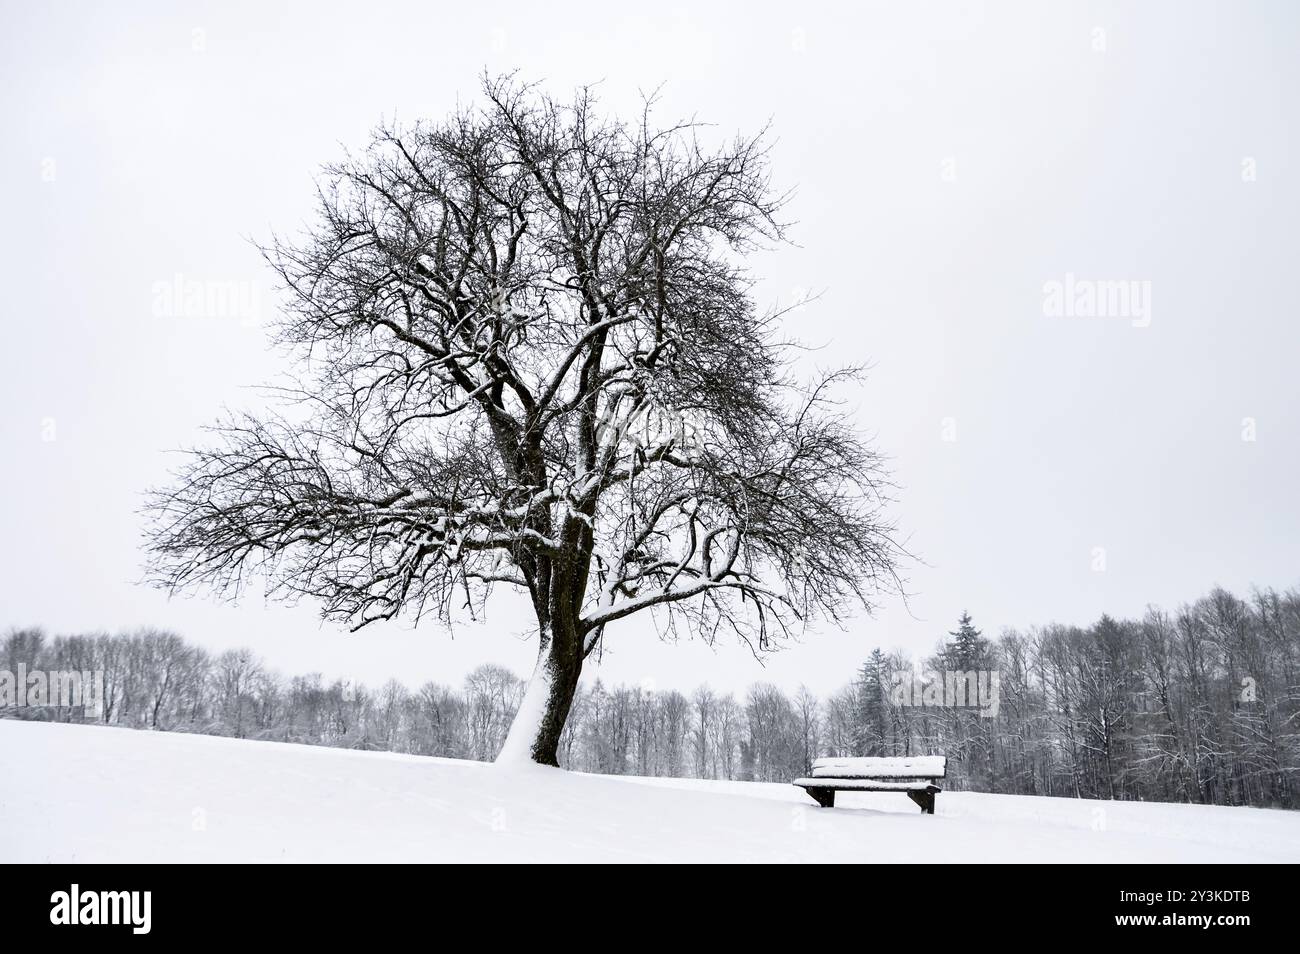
(531, 357)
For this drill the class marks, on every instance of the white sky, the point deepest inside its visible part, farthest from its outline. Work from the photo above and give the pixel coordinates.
(130, 156)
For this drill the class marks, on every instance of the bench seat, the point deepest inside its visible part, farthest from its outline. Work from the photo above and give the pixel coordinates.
(914, 776)
(914, 766)
(864, 784)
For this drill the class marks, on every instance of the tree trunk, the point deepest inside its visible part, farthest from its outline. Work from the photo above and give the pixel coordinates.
(535, 733)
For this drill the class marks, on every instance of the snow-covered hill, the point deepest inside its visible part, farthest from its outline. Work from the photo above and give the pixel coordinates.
(89, 794)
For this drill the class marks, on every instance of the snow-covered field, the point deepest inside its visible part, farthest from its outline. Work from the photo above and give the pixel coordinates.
(89, 794)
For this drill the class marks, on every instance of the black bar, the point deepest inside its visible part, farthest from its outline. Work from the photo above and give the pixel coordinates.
(226, 903)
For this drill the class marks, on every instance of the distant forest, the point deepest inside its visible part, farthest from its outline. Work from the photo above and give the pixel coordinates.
(1197, 705)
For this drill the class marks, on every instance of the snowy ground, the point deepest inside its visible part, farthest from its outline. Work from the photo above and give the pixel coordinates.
(89, 794)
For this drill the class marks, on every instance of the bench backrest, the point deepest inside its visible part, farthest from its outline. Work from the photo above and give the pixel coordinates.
(923, 766)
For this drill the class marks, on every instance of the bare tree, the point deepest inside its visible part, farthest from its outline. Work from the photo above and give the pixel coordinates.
(536, 362)
(492, 695)
(234, 680)
(163, 656)
(808, 710)
(705, 703)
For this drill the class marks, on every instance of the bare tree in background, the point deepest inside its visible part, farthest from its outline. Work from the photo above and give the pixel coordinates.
(535, 362)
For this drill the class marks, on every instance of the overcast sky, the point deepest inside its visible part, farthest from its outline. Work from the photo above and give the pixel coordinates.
(951, 161)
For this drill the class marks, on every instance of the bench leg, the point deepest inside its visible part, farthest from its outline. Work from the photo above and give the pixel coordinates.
(825, 797)
(924, 799)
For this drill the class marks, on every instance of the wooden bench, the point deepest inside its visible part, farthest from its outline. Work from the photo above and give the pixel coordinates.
(913, 776)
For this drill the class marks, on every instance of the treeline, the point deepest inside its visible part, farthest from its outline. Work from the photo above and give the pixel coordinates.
(1199, 705)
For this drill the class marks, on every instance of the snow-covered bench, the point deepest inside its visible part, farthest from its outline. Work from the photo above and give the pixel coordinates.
(914, 776)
